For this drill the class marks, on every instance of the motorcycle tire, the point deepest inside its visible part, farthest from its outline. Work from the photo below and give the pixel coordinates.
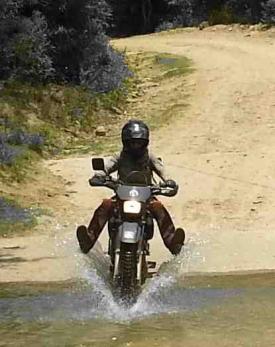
(128, 269)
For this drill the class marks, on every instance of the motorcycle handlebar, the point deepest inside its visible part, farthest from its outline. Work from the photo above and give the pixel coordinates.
(108, 182)
(165, 191)
(111, 183)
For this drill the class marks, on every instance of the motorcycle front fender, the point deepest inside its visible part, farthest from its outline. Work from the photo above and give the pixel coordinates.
(130, 232)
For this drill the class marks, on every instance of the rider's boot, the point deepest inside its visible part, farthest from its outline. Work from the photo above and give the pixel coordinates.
(84, 240)
(178, 241)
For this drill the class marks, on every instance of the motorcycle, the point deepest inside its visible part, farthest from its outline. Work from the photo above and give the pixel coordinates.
(130, 228)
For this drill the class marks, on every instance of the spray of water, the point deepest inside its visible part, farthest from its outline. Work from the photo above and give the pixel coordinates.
(92, 297)
(161, 294)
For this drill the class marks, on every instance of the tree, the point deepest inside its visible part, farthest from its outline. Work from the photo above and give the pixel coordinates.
(61, 40)
(136, 16)
(24, 45)
(268, 12)
(184, 13)
(247, 11)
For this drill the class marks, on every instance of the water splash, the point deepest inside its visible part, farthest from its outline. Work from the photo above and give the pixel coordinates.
(92, 297)
(161, 294)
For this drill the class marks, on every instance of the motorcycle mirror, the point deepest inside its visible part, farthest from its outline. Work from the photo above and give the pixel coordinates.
(98, 164)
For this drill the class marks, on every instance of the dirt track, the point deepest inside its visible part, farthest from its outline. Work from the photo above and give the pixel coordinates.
(220, 149)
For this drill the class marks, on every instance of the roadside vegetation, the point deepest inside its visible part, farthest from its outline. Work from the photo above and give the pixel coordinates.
(136, 17)
(14, 218)
(65, 90)
(55, 120)
(51, 121)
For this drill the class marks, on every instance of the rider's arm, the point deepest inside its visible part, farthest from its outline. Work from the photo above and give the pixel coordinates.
(111, 165)
(158, 167)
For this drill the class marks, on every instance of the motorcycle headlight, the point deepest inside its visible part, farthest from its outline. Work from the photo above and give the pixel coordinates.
(132, 207)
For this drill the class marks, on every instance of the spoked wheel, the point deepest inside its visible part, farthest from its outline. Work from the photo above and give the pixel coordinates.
(128, 271)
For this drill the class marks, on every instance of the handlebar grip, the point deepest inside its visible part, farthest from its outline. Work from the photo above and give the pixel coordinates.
(165, 191)
(162, 185)
(95, 182)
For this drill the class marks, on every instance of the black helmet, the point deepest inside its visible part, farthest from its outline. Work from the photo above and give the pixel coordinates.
(133, 132)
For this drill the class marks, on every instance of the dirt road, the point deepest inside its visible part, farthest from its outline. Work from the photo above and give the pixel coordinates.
(220, 149)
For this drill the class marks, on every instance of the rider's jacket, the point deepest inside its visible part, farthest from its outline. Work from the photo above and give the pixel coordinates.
(125, 164)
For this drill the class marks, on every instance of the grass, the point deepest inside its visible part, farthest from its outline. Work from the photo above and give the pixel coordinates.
(172, 65)
(15, 219)
(160, 70)
(162, 66)
(20, 169)
(67, 117)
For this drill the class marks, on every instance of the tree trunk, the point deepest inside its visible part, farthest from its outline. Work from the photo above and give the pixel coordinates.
(146, 14)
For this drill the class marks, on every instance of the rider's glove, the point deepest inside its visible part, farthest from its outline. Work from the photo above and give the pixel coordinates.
(97, 181)
(171, 184)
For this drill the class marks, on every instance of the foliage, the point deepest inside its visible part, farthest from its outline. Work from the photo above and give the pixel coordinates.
(244, 11)
(192, 12)
(171, 66)
(46, 120)
(62, 41)
(183, 13)
(102, 69)
(13, 145)
(268, 13)
(223, 15)
(14, 217)
(24, 44)
(7, 153)
(11, 212)
(19, 137)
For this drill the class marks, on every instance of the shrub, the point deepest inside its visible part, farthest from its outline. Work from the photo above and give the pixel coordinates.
(62, 40)
(7, 153)
(102, 69)
(11, 145)
(268, 12)
(223, 15)
(244, 11)
(11, 213)
(183, 13)
(19, 137)
(24, 44)
(193, 12)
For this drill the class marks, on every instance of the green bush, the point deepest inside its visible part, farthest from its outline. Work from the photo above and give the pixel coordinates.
(224, 15)
(62, 41)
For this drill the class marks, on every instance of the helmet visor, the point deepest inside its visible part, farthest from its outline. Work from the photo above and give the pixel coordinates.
(136, 144)
(136, 147)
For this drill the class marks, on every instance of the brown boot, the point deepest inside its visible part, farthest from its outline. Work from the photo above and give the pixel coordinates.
(84, 240)
(178, 241)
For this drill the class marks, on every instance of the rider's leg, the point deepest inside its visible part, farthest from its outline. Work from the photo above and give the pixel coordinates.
(87, 236)
(173, 238)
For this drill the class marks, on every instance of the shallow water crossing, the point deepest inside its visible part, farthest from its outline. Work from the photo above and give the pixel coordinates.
(196, 311)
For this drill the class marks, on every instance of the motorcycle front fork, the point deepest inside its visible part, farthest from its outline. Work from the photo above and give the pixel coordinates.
(143, 251)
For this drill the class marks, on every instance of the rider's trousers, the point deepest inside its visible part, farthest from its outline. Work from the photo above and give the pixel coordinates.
(103, 213)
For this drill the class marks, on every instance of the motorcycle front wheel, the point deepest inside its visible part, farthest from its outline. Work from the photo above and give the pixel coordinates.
(128, 283)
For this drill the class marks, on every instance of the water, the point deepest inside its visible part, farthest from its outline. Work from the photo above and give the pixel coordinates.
(172, 310)
(195, 311)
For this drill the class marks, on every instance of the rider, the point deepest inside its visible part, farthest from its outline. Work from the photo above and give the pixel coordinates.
(133, 157)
